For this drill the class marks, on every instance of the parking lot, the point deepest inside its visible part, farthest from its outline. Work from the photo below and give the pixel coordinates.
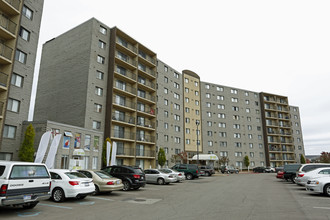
(232, 196)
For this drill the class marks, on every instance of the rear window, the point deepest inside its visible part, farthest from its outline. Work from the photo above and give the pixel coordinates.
(103, 175)
(75, 175)
(138, 170)
(192, 167)
(2, 169)
(28, 172)
(312, 167)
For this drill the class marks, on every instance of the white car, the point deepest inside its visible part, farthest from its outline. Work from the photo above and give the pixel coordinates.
(70, 184)
(159, 177)
(303, 177)
(179, 175)
(319, 185)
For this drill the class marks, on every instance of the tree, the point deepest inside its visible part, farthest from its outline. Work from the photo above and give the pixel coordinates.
(26, 152)
(302, 159)
(161, 157)
(325, 157)
(246, 161)
(223, 160)
(104, 152)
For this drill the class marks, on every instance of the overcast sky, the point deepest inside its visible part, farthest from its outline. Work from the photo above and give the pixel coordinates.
(280, 47)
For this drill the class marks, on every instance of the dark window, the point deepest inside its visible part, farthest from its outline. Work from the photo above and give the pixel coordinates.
(2, 169)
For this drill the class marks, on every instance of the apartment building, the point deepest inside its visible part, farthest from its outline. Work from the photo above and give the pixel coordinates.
(103, 80)
(19, 33)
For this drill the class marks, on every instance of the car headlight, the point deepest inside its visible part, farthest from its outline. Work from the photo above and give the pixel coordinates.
(315, 182)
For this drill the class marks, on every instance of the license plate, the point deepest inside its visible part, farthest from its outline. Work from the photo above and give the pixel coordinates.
(86, 184)
(27, 197)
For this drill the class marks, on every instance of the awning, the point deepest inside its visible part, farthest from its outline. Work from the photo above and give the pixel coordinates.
(206, 157)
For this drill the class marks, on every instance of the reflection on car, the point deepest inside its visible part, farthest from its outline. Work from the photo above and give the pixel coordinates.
(319, 185)
(159, 177)
(179, 175)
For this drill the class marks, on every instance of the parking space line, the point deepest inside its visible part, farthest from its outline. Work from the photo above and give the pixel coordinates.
(321, 207)
(100, 198)
(56, 206)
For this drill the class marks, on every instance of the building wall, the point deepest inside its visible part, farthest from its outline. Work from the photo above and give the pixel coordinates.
(92, 146)
(21, 94)
(297, 132)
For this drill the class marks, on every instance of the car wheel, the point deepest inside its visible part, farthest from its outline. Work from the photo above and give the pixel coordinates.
(189, 176)
(160, 181)
(58, 195)
(326, 190)
(207, 174)
(30, 205)
(228, 172)
(127, 185)
(236, 172)
(97, 190)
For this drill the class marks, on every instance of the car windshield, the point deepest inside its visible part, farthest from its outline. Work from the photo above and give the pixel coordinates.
(103, 175)
(75, 175)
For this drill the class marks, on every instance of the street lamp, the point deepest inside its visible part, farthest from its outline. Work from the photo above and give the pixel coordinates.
(197, 123)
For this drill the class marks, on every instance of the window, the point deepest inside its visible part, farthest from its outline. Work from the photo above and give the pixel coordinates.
(208, 95)
(177, 128)
(197, 112)
(238, 144)
(246, 93)
(166, 138)
(17, 80)
(176, 85)
(187, 100)
(20, 56)
(236, 117)
(222, 134)
(97, 108)
(99, 75)
(221, 115)
(238, 154)
(249, 127)
(259, 137)
(165, 102)
(223, 153)
(96, 125)
(209, 123)
(166, 114)
(65, 162)
(27, 12)
(239, 164)
(187, 130)
(94, 164)
(209, 133)
(222, 125)
(208, 104)
(209, 114)
(223, 144)
(251, 154)
(219, 88)
(87, 142)
(100, 59)
(103, 30)
(98, 91)
(187, 110)
(234, 99)
(165, 68)
(177, 140)
(210, 143)
(250, 145)
(9, 131)
(187, 120)
(13, 105)
(25, 34)
(261, 154)
(236, 126)
(237, 135)
(176, 96)
(121, 70)
(196, 83)
(166, 125)
(166, 150)
(187, 141)
(221, 106)
(233, 91)
(248, 118)
(235, 108)
(196, 102)
(247, 102)
(220, 97)
(101, 44)
(207, 86)
(186, 90)
(186, 80)
(177, 117)
(196, 93)
(247, 110)
(250, 136)
(165, 79)
(176, 75)
(165, 90)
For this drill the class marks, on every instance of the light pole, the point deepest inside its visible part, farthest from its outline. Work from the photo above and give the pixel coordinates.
(197, 123)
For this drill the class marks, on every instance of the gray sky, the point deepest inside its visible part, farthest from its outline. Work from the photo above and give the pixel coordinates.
(280, 47)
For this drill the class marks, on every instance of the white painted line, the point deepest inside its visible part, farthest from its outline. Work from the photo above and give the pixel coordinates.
(315, 198)
(100, 198)
(321, 207)
(56, 206)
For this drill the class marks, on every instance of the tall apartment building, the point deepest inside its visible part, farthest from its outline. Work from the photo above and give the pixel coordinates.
(19, 34)
(103, 80)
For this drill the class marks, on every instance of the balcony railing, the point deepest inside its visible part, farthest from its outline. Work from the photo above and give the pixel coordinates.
(126, 44)
(146, 109)
(123, 135)
(126, 59)
(6, 51)
(14, 3)
(148, 58)
(130, 120)
(127, 73)
(148, 83)
(8, 24)
(3, 79)
(145, 153)
(148, 97)
(125, 88)
(125, 151)
(146, 123)
(125, 103)
(1, 108)
(145, 138)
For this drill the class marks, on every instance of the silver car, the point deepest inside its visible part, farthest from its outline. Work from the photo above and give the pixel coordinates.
(159, 177)
(179, 175)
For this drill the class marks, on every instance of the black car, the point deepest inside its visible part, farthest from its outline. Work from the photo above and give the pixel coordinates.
(132, 177)
(259, 170)
(228, 169)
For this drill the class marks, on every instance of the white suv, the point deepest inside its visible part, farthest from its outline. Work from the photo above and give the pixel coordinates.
(23, 183)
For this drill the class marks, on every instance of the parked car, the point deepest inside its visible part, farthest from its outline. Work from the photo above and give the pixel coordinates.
(279, 169)
(290, 171)
(310, 166)
(23, 184)
(191, 171)
(70, 184)
(132, 177)
(159, 177)
(319, 185)
(179, 175)
(208, 170)
(270, 170)
(103, 181)
(303, 177)
(259, 170)
(229, 169)
(280, 175)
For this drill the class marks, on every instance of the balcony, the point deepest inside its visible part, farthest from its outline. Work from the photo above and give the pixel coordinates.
(3, 81)
(146, 124)
(125, 151)
(8, 28)
(146, 110)
(146, 72)
(125, 60)
(11, 7)
(127, 90)
(145, 138)
(128, 105)
(147, 97)
(5, 54)
(147, 84)
(147, 59)
(145, 153)
(117, 134)
(1, 109)
(127, 46)
(120, 118)
(125, 75)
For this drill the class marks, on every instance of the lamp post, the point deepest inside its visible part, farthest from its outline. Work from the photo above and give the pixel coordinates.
(197, 123)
